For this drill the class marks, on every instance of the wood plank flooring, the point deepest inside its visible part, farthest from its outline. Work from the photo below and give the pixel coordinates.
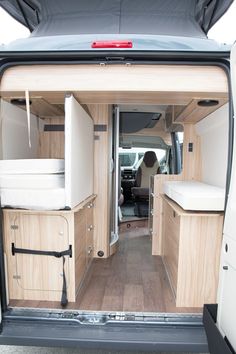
(131, 280)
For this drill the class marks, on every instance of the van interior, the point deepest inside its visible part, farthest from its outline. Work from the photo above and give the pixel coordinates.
(113, 183)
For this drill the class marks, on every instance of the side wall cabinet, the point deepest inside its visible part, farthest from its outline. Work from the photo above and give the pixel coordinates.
(191, 253)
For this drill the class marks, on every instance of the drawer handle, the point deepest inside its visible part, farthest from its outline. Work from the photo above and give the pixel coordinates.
(90, 249)
(90, 228)
(174, 214)
(90, 206)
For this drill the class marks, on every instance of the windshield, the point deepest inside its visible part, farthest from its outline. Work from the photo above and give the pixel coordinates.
(127, 159)
(133, 157)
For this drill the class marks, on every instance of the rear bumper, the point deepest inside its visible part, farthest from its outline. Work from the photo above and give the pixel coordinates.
(146, 337)
(217, 344)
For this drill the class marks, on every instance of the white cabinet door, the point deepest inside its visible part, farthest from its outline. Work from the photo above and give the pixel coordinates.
(226, 320)
(79, 150)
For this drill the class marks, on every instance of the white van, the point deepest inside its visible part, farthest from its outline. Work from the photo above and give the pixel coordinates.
(90, 257)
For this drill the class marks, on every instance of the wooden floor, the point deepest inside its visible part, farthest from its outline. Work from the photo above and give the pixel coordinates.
(131, 280)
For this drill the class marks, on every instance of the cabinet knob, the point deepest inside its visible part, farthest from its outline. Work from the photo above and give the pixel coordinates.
(90, 228)
(90, 249)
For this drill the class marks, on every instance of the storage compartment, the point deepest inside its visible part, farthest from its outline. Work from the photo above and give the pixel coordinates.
(31, 182)
(35, 276)
(191, 253)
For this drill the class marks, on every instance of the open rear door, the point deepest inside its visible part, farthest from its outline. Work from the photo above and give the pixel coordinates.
(222, 335)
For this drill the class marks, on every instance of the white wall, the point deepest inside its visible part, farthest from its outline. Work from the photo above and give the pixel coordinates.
(79, 139)
(14, 133)
(213, 131)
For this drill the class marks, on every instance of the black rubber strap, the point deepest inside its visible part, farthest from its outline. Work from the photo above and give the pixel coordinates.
(14, 250)
(41, 253)
(64, 300)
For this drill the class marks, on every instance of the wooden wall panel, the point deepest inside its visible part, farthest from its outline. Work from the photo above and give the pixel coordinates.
(193, 113)
(192, 162)
(52, 144)
(101, 115)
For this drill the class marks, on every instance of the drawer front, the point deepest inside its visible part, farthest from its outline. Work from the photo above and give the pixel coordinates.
(171, 233)
(80, 246)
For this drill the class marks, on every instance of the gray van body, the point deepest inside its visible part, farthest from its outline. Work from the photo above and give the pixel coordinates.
(172, 31)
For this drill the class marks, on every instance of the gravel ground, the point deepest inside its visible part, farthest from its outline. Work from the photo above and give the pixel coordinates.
(38, 350)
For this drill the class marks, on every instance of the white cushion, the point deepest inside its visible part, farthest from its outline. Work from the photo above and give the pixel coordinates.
(32, 166)
(36, 199)
(193, 195)
(31, 181)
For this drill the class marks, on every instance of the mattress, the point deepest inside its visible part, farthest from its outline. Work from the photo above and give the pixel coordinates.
(32, 166)
(35, 199)
(32, 181)
(196, 196)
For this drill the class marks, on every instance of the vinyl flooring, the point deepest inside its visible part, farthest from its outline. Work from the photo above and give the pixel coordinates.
(131, 280)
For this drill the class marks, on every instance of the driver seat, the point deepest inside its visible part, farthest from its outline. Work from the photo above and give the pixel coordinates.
(149, 167)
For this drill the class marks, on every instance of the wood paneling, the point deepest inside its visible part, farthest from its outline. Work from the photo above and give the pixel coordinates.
(37, 277)
(192, 162)
(191, 253)
(118, 83)
(170, 236)
(40, 106)
(101, 114)
(52, 144)
(159, 180)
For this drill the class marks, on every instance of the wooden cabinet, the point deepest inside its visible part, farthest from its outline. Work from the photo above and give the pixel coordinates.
(191, 253)
(39, 276)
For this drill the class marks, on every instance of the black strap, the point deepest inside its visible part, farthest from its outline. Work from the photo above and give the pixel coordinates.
(14, 250)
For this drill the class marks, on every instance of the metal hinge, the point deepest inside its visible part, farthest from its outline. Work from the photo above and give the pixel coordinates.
(14, 227)
(16, 277)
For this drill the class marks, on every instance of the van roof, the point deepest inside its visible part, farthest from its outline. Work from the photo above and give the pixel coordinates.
(188, 18)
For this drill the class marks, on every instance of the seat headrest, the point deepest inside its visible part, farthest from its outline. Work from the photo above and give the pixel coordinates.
(149, 158)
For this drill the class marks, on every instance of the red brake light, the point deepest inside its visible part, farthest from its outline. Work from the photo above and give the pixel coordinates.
(112, 44)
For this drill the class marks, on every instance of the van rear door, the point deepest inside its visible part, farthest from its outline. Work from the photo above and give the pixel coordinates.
(222, 334)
